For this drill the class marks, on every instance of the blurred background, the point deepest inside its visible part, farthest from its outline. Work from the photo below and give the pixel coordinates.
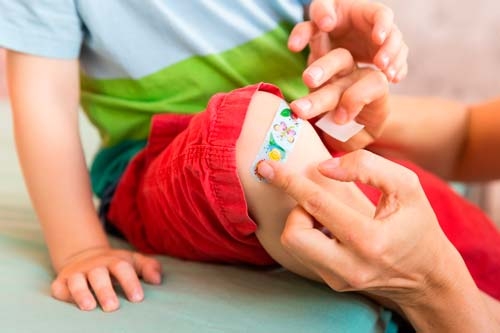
(454, 53)
(3, 88)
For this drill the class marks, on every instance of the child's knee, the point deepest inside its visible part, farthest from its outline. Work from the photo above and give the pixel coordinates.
(301, 155)
(267, 205)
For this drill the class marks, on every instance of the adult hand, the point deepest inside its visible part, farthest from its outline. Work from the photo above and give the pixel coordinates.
(367, 31)
(365, 28)
(400, 253)
(89, 276)
(363, 91)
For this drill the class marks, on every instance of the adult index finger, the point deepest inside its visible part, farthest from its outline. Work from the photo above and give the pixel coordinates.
(345, 223)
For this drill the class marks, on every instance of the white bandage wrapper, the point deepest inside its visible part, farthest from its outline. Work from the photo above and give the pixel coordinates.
(280, 138)
(340, 132)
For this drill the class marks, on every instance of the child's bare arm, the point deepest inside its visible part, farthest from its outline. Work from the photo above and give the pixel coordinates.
(45, 98)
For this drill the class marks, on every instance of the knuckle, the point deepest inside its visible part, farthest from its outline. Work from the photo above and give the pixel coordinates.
(362, 159)
(340, 286)
(120, 265)
(381, 79)
(359, 280)
(97, 271)
(376, 248)
(344, 53)
(411, 179)
(285, 181)
(287, 238)
(314, 203)
(351, 98)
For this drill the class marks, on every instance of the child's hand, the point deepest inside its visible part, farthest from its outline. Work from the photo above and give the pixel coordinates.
(349, 93)
(365, 28)
(94, 272)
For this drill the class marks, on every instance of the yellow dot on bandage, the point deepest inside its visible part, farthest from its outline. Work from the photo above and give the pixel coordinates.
(275, 155)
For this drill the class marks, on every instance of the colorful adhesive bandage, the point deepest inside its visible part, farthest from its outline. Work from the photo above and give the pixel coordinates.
(280, 138)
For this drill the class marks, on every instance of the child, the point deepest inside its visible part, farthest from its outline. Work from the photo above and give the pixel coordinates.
(134, 59)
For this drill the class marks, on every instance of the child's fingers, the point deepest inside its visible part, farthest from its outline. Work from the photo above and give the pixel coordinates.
(148, 268)
(100, 281)
(59, 290)
(127, 278)
(369, 88)
(80, 292)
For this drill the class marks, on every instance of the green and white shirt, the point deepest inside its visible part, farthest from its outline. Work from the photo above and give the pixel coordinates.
(143, 57)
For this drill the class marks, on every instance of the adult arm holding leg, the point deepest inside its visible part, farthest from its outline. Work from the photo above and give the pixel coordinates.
(400, 253)
(45, 98)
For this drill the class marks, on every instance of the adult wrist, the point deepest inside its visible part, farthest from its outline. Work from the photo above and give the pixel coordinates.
(449, 302)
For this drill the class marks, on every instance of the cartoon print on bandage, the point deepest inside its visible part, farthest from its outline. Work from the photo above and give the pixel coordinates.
(280, 138)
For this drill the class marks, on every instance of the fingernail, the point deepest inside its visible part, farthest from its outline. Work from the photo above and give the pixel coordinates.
(326, 23)
(294, 42)
(110, 305)
(399, 77)
(332, 163)
(157, 278)
(265, 170)
(392, 73)
(340, 116)
(87, 304)
(382, 35)
(316, 73)
(136, 297)
(304, 105)
(385, 61)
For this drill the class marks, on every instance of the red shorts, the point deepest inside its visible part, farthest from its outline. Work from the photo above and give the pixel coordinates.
(181, 196)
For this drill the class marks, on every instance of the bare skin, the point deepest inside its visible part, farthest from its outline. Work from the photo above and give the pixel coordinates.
(454, 140)
(54, 168)
(381, 254)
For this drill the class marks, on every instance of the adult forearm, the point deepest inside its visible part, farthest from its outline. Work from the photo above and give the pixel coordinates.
(480, 159)
(428, 131)
(450, 301)
(460, 311)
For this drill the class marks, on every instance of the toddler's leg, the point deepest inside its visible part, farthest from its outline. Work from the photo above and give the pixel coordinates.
(268, 206)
